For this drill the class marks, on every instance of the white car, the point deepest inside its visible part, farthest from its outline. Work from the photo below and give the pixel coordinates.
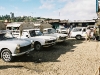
(10, 46)
(78, 32)
(52, 32)
(38, 38)
(62, 30)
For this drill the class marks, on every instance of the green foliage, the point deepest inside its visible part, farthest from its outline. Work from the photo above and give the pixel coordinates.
(20, 19)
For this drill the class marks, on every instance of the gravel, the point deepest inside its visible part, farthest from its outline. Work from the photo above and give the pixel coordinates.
(73, 57)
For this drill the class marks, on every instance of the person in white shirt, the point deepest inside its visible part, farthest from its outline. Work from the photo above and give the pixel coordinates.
(88, 34)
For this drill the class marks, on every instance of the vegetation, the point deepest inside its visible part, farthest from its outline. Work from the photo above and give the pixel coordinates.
(20, 19)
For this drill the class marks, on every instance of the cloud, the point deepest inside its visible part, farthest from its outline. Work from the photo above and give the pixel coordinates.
(26, 0)
(15, 7)
(62, 0)
(2, 8)
(78, 9)
(47, 4)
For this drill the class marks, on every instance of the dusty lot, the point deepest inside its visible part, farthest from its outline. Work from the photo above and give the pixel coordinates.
(70, 58)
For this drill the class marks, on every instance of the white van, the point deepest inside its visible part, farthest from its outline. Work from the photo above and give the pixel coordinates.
(78, 33)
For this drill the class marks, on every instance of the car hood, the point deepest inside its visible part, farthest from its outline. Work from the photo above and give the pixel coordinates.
(58, 34)
(17, 42)
(45, 37)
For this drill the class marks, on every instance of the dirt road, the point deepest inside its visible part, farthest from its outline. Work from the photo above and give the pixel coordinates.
(74, 57)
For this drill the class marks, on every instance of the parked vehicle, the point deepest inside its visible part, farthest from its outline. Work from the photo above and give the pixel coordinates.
(62, 30)
(79, 33)
(16, 26)
(52, 32)
(27, 31)
(38, 38)
(10, 46)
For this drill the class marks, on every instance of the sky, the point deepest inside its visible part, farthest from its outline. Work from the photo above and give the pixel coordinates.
(55, 9)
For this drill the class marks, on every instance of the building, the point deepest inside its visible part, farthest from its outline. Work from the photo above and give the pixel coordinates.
(82, 23)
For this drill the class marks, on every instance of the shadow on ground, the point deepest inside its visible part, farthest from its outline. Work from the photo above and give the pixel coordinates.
(50, 54)
(9, 66)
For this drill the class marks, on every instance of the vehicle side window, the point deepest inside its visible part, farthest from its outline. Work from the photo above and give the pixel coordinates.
(32, 33)
(9, 28)
(49, 31)
(1, 36)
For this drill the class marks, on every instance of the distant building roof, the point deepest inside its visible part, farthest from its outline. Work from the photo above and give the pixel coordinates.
(54, 20)
(27, 25)
(83, 21)
(46, 25)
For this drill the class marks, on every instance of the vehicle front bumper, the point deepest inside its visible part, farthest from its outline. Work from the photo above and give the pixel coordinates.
(18, 54)
(49, 44)
(61, 40)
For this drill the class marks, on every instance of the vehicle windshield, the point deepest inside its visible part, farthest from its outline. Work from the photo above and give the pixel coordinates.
(6, 36)
(35, 33)
(51, 31)
(38, 33)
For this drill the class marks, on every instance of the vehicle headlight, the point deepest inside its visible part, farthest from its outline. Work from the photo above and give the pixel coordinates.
(18, 49)
(46, 41)
(33, 42)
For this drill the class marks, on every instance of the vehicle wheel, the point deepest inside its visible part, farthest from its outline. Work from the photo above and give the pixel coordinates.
(98, 38)
(6, 55)
(37, 46)
(78, 37)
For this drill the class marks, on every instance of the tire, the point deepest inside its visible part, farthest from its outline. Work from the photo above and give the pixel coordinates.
(6, 55)
(98, 38)
(78, 37)
(37, 46)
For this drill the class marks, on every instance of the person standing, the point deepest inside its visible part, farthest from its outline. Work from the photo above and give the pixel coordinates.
(94, 33)
(88, 34)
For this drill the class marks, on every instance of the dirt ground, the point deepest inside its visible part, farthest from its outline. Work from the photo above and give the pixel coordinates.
(73, 57)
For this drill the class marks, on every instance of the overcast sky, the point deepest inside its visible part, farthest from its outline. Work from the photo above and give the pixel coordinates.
(56, 9)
